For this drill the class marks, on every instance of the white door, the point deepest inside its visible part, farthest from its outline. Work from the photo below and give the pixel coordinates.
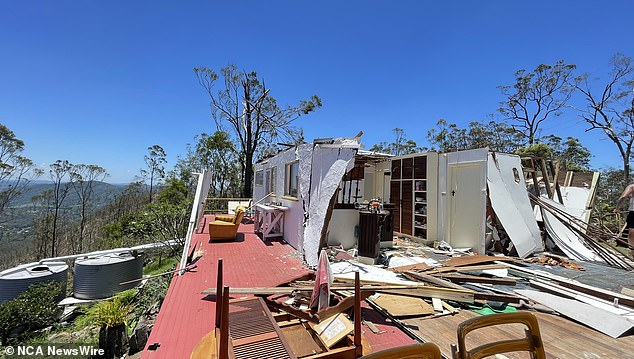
(466, 204)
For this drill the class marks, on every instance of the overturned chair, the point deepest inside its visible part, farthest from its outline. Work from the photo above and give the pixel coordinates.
(223, 229)
(531, 342)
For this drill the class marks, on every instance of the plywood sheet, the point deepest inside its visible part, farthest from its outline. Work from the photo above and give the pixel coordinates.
(402, 306)
(300, 340)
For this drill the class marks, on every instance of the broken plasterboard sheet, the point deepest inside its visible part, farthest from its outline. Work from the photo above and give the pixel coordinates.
(367, 273)
(575, 200)
(399, 261)
(598, 319)
(509, 199)
(329, 165)
(566, 239)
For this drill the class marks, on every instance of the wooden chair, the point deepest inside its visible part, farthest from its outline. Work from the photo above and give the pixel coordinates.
(222, 230)
(531, 342)
(413, 351)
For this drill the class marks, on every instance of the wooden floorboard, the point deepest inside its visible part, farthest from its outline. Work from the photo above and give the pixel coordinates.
(562, 338)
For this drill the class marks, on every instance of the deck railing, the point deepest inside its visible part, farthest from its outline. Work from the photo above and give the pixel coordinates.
(220, 205)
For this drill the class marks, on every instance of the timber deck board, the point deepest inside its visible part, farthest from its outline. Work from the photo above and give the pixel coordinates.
(562, 337)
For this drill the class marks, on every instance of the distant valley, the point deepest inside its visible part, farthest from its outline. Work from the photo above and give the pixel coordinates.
(18, 221)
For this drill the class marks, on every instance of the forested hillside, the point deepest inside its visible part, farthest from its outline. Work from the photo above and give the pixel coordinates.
(18, 221)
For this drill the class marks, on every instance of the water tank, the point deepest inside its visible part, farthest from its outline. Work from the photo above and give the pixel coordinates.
(101, 276)
(16, 280)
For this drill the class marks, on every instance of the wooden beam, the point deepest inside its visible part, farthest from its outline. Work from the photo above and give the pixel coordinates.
(464, 278)
(433, 280)
(357, 315)
(343, 305)
(495, 297)
(545, 178)
(266, 291)
(218, 290)
(466, 296)
(555, 171)
(292, 310)
(223, 349)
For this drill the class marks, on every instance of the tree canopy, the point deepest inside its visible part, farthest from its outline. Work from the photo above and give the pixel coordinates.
(610, 108)
(16, 170)
(242, 105)
(536, 96)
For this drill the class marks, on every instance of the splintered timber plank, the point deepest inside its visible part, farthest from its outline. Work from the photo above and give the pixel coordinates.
(466, 296)
(410, 267)
(474, 259)
(433, 280)
(464, 278)
(344, 304)
(266, 291)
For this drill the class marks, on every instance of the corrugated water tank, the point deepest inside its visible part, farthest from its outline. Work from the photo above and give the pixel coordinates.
(16, 280)
(101, 276)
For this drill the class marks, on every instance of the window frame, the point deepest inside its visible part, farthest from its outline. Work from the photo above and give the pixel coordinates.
(259, 178)
(289, 180)
(271, 179)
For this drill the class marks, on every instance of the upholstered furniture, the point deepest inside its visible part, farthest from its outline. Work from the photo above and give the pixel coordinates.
(229, 217)
(220, 230)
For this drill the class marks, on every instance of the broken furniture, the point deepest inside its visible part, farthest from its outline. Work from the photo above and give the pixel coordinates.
(229, 217)
(246, 328)
(531, 342)
(221, 230)
(269, 220)
(413, 351)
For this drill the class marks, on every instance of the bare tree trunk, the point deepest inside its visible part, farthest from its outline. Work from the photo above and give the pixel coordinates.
(247, 192)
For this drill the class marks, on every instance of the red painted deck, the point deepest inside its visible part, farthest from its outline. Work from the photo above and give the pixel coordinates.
(187, 315)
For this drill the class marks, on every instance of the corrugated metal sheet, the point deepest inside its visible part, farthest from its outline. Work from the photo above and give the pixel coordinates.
(16, 280)
(101, 276)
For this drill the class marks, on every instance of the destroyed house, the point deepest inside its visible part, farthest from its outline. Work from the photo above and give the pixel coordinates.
(317, 194)
(333, 193)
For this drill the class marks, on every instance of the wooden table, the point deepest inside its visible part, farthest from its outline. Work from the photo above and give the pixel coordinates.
(269, 220)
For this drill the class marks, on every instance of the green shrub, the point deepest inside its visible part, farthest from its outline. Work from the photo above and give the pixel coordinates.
(127, 296)
(110, 313)
(33, 309)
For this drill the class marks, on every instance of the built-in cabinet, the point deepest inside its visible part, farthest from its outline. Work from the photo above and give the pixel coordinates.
(413, 191)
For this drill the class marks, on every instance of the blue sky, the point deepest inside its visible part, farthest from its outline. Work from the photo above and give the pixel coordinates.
(97, 82)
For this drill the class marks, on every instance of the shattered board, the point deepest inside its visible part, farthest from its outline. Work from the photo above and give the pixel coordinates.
(567, 240)
(327, 167)
(608, 323)
(509, 199)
